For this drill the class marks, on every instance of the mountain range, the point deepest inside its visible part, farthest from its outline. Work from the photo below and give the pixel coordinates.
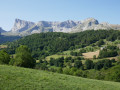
(23, 28)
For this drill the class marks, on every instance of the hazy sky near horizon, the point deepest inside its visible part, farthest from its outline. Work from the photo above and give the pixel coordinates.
(58, 10)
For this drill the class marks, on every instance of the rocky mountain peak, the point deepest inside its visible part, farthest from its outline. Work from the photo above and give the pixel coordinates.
(17, 20)
(90, 21)
(21, 25)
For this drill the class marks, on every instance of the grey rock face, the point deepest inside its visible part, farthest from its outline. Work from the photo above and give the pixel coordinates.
(67, 24)
(63, 26)
(93, 24)
(22, 27)
(45, 26)
(86, 24)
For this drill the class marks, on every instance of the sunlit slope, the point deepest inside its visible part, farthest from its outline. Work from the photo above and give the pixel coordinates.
(16, 78)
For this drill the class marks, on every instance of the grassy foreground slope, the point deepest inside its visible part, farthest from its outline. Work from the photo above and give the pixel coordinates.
(16, 78)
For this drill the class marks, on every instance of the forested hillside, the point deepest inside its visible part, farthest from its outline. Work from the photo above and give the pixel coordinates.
(45, 44)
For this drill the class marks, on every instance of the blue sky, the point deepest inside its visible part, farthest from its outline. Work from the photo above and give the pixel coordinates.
(58, 10)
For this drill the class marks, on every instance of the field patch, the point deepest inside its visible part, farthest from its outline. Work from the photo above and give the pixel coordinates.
(89, 55)
(56, 56)
(3, 46)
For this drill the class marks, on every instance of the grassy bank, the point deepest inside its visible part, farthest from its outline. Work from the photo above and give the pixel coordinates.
(16, 78)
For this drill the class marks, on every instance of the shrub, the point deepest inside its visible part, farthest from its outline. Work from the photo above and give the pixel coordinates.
(114, 74)
(59, 70)
(79, 73)
(4, 57)
(100, 42)
(12, 61)
(66, 71)
(23, 57)
(77, 64)
(94, 57)
(89, 64)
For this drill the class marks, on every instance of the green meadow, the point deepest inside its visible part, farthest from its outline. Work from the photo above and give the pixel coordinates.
(17, 78)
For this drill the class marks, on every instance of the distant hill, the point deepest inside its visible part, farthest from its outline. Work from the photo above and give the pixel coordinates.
(16, 78)
(23, 28)
(4, 39)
